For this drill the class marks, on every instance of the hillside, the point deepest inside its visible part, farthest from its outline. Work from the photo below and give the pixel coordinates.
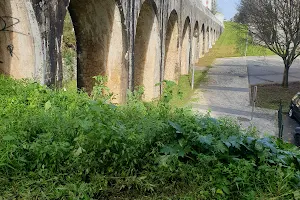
(232, 43)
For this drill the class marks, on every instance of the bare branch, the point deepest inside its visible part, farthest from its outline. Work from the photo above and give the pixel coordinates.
(276, 24)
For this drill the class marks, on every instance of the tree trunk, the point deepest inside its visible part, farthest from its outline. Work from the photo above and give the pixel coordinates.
(285, 82)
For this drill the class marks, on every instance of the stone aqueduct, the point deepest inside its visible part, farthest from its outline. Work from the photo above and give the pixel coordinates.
(133, 42)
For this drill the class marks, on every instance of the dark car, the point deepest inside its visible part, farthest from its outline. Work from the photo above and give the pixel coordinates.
(297, 136)
(295, 107)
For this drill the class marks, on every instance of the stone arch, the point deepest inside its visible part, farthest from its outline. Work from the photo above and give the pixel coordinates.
(17, 51)
(186, 47)
(101, 44)
(146, 50)
(171, 71)
(196, 43)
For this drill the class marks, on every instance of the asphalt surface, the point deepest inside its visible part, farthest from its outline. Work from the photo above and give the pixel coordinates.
(226, 93)
(263, 70)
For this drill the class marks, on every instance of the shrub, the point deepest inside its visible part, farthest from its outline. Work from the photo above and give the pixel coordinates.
(66, 145)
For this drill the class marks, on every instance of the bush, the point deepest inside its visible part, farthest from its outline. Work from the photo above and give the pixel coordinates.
(65, 145)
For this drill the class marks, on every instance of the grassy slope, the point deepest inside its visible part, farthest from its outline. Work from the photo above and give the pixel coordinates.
(232, 43)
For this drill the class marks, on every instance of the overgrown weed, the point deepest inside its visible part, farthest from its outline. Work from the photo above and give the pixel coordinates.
(66, 145)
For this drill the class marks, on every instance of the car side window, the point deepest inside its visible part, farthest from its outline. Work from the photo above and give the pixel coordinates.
(297, 102)
(295, 99)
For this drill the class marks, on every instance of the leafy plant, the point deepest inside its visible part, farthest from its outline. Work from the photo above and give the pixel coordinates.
(67, 145)
(100, 90)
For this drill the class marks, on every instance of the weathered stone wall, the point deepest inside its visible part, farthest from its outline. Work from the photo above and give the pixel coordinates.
(132, 42)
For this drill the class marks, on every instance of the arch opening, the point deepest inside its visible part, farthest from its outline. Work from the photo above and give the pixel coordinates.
(171, 71)
(15, 34)
(215, 37)
(207, 40)
(186, 47)
(203, 41)
(211, 40)
(69, 54)
(101, 45)
(146, 64)
(196, 43)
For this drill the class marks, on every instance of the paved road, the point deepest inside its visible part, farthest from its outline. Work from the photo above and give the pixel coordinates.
(270, 69)
(226, 93)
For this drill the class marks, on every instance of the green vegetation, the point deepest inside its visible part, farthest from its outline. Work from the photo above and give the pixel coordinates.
(66, 145)
(232, 43)
(69, 52)
(270, 95)
(184, 89)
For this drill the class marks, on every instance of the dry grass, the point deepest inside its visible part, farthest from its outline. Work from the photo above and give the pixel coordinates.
(269, 96)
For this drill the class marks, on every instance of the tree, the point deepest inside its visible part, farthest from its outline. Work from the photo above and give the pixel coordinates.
(214, 7)
(240, 16)
(276, 23)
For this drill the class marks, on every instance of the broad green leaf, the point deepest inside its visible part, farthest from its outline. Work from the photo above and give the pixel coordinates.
(8, 138)
(168, 150)
(219, 191)
(296, 194)
(47, 105)
(177, 127)
(235, 142)
(226, 190)
(181, 153)
(206, 139)
(249, 140)
(79, 151)
(221, 147)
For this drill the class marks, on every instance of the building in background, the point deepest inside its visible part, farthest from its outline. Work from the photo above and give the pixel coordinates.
(220, 17)
(210, 4)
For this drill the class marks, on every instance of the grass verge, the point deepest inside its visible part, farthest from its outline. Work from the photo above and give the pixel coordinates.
(184, 89)
(270, 95)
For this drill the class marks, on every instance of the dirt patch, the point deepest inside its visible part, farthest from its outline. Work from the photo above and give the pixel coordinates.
(270, 95)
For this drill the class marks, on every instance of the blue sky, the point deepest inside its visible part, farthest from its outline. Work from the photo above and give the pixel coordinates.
(228, 7)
